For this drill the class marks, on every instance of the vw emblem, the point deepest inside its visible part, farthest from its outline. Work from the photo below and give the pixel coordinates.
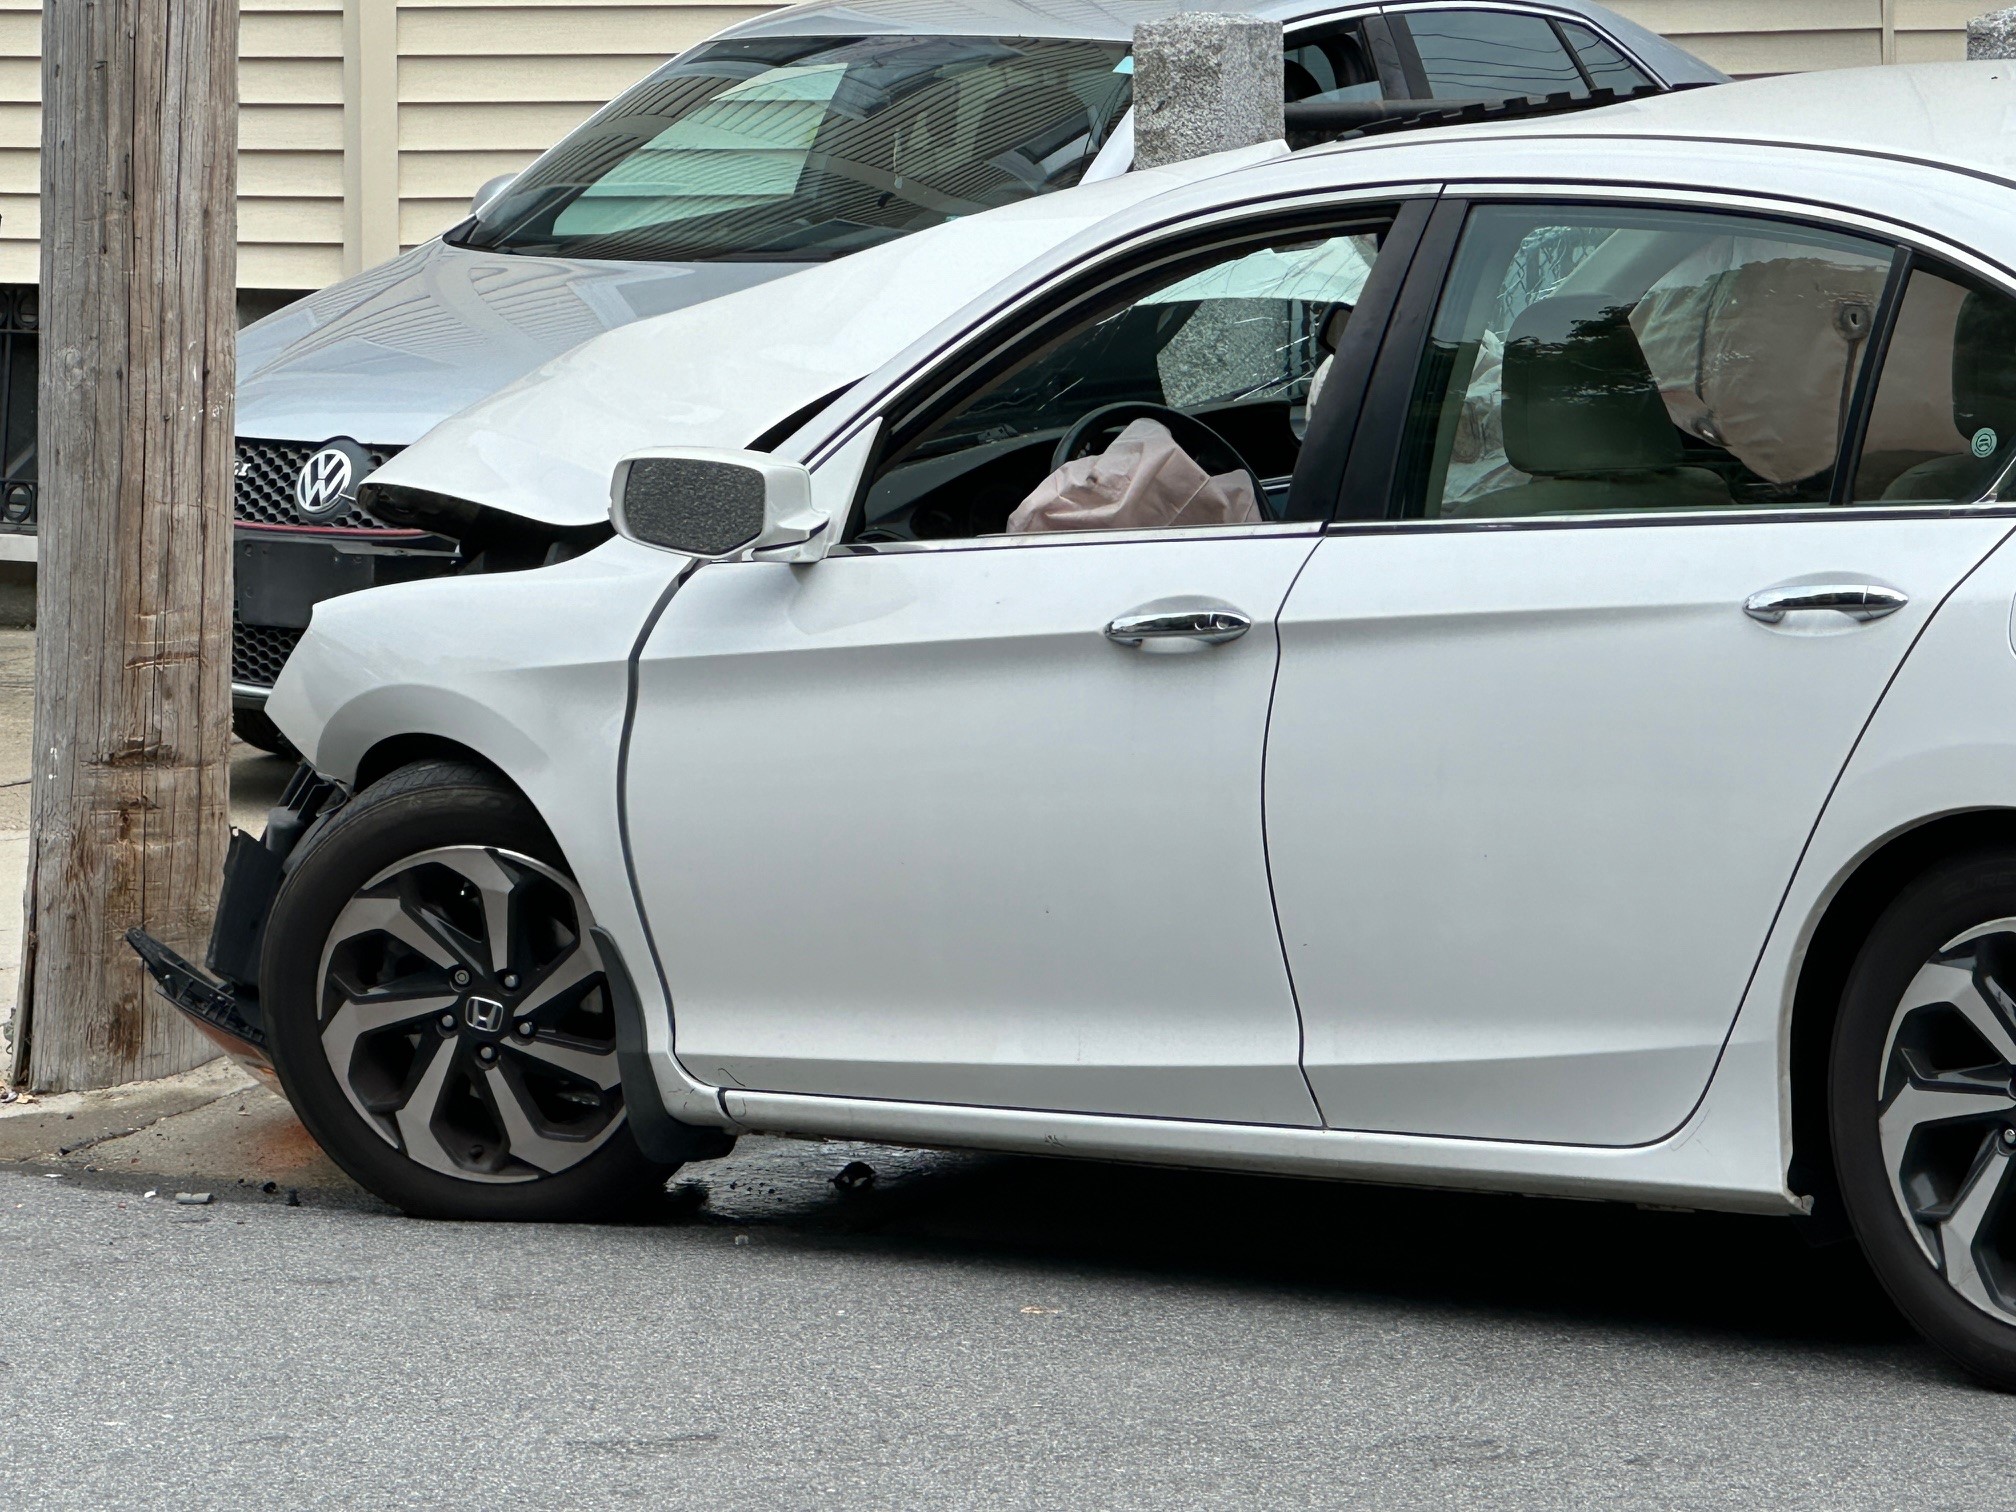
(327, 483)
(484, 1015)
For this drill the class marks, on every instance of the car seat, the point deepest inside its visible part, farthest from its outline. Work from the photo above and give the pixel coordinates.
(1584, 419)
(1984, 406)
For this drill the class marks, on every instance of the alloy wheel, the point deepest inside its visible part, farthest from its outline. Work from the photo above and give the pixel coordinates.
(465, 1013)
(1947, 1119)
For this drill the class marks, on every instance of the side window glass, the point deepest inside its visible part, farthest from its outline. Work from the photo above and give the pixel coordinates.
(1606, 66)
(1942, 429)
(1183, 404)
(1491, 55)
(1602, 361)
(1334, 64)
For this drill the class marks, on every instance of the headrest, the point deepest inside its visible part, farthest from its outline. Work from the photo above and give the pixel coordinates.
(1984, 367)
(1579, 395)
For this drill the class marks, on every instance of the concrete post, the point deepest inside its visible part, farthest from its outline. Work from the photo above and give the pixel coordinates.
(1205, 82)
(1992, 35)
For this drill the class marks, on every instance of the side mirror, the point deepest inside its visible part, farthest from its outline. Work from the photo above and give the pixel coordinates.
(719, 505)
(490, 190)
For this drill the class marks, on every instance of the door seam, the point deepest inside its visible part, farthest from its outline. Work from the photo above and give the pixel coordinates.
(1267, 848)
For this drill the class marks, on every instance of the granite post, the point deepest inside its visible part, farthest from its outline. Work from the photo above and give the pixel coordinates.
(1205, 82)
(1992, 35)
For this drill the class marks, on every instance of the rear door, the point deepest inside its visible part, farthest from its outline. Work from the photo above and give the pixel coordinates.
(1545, 748)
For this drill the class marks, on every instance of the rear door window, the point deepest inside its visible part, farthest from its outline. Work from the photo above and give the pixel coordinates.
(1596, 360)
(1942, 429)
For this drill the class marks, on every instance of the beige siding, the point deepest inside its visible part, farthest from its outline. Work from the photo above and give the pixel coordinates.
(486, 85)
(20, 138)
(1745, 37)
(290, 143)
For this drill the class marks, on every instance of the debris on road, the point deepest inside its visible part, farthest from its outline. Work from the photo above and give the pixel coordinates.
(192, 1199)
(855, 1175)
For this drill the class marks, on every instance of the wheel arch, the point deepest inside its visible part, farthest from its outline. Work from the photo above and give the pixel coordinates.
(397, 751)
(1858, 900)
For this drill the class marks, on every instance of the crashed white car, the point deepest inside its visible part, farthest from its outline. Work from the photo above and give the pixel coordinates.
(1479, 660)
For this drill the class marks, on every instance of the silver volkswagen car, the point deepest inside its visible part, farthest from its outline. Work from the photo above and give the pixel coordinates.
(788, 140)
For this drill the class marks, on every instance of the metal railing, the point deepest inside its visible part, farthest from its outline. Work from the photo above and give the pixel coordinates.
(19, 317)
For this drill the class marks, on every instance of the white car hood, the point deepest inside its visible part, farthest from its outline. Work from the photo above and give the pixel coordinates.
(724, 372)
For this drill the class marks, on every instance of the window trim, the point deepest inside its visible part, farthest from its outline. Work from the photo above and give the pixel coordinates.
(1372, 472)
(1848, 462)
(1989, 507)
(1036, 539)
(951, 371)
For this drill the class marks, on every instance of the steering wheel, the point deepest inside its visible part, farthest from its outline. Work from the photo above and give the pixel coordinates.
(1213, 452)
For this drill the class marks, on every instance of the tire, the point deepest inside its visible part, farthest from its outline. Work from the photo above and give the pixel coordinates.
(464, 1089)
(255, 729)
(1922, 1113)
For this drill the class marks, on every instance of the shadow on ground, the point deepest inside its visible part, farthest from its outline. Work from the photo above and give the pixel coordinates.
(1601, 1263)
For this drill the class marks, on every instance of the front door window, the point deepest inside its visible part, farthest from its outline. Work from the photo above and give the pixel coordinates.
(1183, 402)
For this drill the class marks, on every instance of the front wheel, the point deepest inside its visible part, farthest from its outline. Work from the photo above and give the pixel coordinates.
(1922, 1099)
(438, 1013)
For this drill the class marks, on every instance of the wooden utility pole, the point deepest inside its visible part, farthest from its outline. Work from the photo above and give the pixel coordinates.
(132, 656)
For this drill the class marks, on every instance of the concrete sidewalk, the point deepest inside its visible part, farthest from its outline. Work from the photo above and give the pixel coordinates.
(214, 1123)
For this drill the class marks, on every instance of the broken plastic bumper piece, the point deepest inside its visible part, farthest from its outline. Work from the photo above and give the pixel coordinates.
(212, 1005)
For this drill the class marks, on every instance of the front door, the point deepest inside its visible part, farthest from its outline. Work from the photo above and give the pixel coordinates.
(970, 812)
(914, 827)
(1545, 751)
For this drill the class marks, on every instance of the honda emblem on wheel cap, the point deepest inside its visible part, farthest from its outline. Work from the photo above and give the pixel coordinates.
(327, 483)
(484, 1015)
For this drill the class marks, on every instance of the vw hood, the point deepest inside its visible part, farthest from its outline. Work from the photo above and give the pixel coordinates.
(386, 355)
(725, 372)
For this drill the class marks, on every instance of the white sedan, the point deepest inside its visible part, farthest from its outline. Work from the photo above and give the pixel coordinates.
(1479, 660)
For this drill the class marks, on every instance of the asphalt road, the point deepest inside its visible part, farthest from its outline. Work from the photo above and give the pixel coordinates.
(966, 1332)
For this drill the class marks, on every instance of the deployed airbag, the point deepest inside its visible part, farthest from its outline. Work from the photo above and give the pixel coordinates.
(1143, 481)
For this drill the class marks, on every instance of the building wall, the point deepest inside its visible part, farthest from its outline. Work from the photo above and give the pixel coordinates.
(366, 124)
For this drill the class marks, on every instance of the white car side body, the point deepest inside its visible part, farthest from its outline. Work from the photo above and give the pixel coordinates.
(535, 671)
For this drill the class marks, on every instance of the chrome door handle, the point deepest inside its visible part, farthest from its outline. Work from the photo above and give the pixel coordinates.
(1859, 601)
(1212, 626)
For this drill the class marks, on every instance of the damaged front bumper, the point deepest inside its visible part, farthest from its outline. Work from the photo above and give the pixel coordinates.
(212, 1005)
(223, 1001)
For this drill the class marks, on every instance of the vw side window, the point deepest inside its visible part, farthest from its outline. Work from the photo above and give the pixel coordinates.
(1942, 429)
(1334, 64)
(1606, 360)
(1180, 404)
(1491, 55)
